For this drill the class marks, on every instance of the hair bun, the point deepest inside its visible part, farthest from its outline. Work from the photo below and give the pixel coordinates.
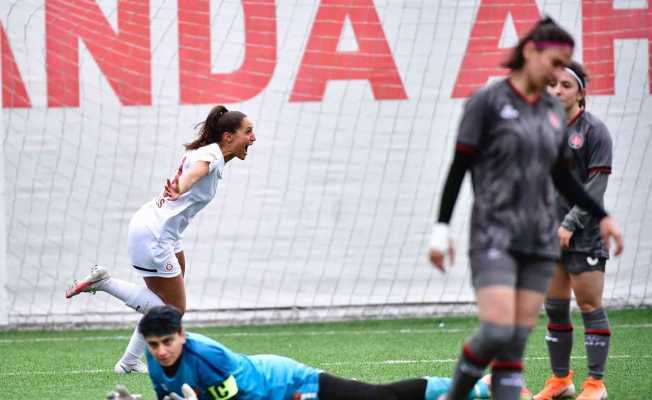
(220, 110)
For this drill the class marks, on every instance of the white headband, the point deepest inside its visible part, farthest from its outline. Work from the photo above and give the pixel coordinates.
(577, 78)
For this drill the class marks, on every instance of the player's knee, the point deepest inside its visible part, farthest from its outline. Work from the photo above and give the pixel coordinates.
(589, 305)
(558, 310)
(492, 337)
(179, 304)
(181, 307)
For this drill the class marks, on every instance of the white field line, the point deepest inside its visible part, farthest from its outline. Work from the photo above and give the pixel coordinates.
(361, 332)
(326, 364)
(453, 360)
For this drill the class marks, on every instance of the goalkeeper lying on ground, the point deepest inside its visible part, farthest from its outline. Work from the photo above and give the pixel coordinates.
(214, 372)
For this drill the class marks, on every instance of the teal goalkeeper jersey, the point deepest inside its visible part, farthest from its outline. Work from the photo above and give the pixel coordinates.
(217, 373)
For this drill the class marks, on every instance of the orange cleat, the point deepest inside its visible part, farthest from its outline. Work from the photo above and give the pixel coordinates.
(557, 388)
(593, 389)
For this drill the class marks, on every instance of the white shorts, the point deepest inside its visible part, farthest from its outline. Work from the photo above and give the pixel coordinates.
(149, 256)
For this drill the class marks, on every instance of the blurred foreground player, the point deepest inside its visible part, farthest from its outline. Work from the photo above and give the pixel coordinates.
(511, 137)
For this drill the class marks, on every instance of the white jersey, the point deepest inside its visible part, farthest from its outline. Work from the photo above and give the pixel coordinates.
(167, 219)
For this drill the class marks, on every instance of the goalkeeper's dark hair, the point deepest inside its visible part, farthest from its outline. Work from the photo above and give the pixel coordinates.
(218, 121)
(544, 33)
(160, 321)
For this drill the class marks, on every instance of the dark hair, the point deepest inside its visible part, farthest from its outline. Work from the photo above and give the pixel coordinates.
(160, 321)
(579, 70)
(546, 30)
(218, 121)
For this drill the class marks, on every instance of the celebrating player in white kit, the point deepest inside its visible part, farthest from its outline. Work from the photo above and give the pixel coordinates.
(156, 230)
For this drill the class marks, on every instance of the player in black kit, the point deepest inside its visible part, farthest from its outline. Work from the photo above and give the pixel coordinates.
(583, 253)
(511, 137)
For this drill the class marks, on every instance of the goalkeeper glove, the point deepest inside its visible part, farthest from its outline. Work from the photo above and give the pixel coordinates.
(188, 394)
(121, 393)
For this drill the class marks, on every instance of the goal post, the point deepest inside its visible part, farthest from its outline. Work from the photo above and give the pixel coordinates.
(4, 298)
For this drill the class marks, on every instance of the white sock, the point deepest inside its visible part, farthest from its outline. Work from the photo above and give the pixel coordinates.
(135, 349)
(140, 298)
(143, 299)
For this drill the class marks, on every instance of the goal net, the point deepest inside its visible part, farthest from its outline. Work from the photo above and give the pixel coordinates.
(355, 105)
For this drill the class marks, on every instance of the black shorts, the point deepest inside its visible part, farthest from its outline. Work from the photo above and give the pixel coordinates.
(575, 263)
(495, 267)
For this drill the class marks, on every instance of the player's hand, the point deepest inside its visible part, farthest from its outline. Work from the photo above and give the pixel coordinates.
(564, 237)
(441, 246)
(188, 394)
(171, 190)
(609, 230)
(121, 393)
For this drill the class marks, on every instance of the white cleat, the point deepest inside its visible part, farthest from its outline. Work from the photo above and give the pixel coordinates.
(123, 368)
(89, 283)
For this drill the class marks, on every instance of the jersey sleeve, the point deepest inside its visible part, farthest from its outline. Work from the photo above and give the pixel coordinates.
(472, 124)
(216, 371)
(208, 153)
(600, 146)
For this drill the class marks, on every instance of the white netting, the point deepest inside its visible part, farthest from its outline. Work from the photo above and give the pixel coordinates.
(329, 215)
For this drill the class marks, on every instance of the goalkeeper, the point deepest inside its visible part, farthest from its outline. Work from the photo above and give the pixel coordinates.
(176, 358)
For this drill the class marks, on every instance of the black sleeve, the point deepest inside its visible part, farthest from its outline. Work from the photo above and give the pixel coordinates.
(573, 191)
(461, 163)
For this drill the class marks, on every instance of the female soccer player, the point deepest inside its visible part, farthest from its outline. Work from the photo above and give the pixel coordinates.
(583, 254)
(511, 136)
(156, 230)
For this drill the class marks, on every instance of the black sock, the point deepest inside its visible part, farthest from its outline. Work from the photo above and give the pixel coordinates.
(507, 368)
(560, 335)
(478, 351)
(596, 341)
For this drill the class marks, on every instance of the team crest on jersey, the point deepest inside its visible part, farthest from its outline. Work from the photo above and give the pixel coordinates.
(168, 267)
(576, 140)
(554, 120)
(508, 112)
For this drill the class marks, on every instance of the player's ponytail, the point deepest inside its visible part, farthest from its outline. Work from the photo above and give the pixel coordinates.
(546, 33)
(218, 121)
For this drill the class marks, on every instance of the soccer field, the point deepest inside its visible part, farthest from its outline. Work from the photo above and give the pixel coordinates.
(79, 364)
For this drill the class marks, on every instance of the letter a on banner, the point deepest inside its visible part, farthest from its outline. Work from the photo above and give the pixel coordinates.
(483, 55)
(372, 62)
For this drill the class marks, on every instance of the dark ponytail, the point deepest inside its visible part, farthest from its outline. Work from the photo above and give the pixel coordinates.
(546, 32)
(218, 121)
